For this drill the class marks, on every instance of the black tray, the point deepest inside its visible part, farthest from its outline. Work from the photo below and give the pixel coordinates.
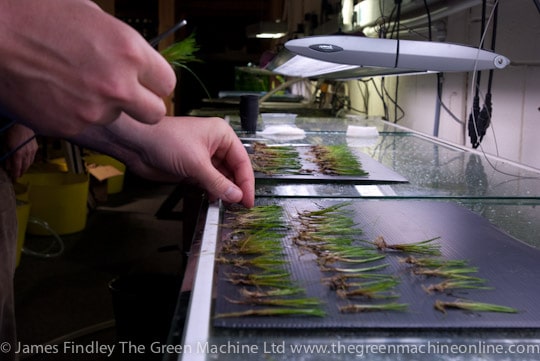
(377, 172)
(509, 266)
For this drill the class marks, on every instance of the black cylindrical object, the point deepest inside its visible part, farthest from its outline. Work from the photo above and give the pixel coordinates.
(249, 112)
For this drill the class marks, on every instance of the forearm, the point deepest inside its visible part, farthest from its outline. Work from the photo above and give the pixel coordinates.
(204, 151)
(124, 140)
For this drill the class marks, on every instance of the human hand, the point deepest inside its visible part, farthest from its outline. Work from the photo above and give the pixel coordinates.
(204, 151)
(67, 64)
(19, 162)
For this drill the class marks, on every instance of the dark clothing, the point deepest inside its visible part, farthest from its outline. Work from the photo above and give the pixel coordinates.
(8, 244)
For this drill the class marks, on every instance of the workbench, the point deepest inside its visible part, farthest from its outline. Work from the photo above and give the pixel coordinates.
(493, 193)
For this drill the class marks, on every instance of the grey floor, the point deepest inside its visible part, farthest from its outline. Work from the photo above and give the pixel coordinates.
(67, 300)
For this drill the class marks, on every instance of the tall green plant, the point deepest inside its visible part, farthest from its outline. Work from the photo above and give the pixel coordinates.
(183, 52)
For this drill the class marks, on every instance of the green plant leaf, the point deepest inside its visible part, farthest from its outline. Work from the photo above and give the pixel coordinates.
(182, 52)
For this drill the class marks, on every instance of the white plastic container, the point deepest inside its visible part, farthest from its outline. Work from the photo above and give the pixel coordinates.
(271, 119)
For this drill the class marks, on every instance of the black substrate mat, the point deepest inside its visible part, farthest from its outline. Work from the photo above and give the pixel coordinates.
(509, 266)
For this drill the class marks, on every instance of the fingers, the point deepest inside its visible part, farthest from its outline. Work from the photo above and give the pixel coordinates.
(158, 75)
(237, 160)
(247, 185)
(145, 106)
(156, 80)
(221, 187)
(19, 162)
(13, 168)
(233, 180)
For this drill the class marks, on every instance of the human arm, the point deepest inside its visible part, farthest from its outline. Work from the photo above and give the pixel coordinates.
(204, 151)
(67, 64)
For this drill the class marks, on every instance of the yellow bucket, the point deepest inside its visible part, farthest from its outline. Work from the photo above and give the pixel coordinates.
(59, 163)
(114, 184)
(58, 199)
(23, 212)
(22, 191)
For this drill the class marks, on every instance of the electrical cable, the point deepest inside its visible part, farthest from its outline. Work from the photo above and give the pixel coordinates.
(438, 105)
(383, 29)
(452, 115)
(364, 94)
(475, 113)
(476, 130)
(385, 105)
(396, 9)
(396, 92)
(484, 118)
(383, 33)
(396, 25)
(358, 110)
(14, 150)
(439, 79)
(428, 13)
(7, 126)
(57, 240)
(381, 94)
(396, 105)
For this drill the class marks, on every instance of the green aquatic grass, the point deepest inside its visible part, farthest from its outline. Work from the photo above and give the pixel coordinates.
(282, 302)
(457, 284)
(422, 247)
(338, 207)
(429, 262)
(326, 227)
(268, 263)
(272, 292)
(337, 160)
(275, 159)
(462, 273)
(358, 308)
(260, 243)
(349, 251)
(271, 312)
(442, 306)
(183, 52)
(341, 278)
(353, 270)
(260, 280)
(373, 289)
(330, 258)
(256, 218)
(255, 231)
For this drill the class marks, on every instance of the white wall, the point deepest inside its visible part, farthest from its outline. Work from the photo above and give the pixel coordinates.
(515, 130)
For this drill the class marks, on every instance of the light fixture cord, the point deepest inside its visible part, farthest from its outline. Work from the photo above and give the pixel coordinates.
(475, 113)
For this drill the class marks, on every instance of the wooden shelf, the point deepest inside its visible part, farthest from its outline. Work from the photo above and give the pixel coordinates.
(150, 18)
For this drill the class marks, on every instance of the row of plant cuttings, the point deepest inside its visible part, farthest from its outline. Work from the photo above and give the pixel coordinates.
(255, 253)
(453, 276)
(336, 160)
(456, 275)
(330, 160)
(276, 159)
(330, 232)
